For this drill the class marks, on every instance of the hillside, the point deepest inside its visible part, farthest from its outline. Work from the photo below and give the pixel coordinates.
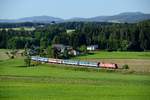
(34, 19)
(129, 17)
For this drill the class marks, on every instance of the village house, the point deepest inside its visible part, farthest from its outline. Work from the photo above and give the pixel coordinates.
(61, 48)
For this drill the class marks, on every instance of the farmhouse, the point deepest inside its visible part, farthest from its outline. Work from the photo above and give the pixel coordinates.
(92, 47)
(61, 48)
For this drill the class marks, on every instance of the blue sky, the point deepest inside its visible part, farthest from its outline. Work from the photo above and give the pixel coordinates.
(12, 9)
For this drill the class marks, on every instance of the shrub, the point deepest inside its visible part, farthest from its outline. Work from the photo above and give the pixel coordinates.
(125, 66)
(12, 57)
(27, 61)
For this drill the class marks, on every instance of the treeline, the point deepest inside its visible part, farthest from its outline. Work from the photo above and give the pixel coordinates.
(24, 24)
(12, 39)
(109, 36)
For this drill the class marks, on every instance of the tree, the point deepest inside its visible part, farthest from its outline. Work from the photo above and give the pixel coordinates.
(102, 40)
(27, 58)
(50, 52)
(83, 49)
(142, 40)
(56, 40)
(113, 42)
(124, 45)
(55, 53)
(65, 54)
(43, 43)
(3, 38)
(74, 38)
(27, 61)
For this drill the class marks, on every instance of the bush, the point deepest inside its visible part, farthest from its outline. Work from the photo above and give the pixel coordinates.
(35, 63)
(12, 57)
(27, 61)
(125, 66)
(83, 49)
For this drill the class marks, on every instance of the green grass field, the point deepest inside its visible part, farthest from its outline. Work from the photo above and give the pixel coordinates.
(55, 82)
(116, 55)
(50, 82)
(137, 61)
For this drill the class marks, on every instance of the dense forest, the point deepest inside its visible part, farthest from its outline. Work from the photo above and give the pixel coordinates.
(109, 36)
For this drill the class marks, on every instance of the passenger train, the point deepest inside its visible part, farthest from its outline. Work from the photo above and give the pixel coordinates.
(75, 62)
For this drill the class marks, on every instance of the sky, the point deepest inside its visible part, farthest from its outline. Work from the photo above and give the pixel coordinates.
(14, 9)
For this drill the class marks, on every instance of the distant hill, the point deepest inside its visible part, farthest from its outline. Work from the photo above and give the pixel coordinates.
(129, 17)
(36, 19)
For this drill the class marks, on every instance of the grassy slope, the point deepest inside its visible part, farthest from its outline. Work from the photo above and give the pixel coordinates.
(51, 83)
(117, 55)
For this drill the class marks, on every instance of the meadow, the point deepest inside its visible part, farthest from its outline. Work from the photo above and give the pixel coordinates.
(55, 82)
(116, 55)
(137, 61)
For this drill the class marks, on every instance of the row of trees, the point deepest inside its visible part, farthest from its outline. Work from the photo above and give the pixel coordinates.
(108, 36)
(23, 24)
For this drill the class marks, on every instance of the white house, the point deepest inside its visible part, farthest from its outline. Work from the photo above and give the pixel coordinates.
(92, 47)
